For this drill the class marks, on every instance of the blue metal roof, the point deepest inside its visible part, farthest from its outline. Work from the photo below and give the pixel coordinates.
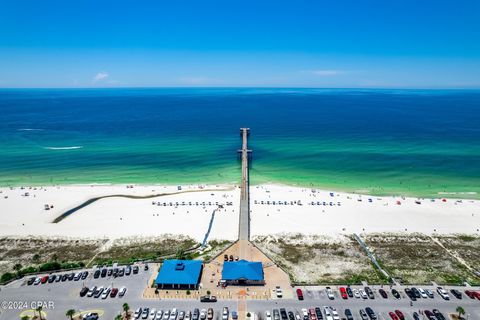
(242, 270)
(179, 272)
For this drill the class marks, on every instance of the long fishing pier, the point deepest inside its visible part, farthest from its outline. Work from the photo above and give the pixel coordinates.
(244, 223)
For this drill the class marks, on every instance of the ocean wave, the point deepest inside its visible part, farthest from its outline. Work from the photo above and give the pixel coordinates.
(29, 129)
(63, 148)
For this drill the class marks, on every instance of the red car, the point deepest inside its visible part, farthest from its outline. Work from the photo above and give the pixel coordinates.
(343, 293)
(299, 294)
(44, 279)
(393, 315)
(113, 293)
(470, 294)
(313, 315)
(400, 314)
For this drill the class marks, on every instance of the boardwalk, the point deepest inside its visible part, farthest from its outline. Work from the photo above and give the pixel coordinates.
(244, 223)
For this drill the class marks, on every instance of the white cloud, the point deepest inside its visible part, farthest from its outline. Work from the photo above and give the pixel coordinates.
(326, 73)
(100, 76)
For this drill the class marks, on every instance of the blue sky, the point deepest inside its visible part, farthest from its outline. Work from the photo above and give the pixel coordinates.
(335, 43)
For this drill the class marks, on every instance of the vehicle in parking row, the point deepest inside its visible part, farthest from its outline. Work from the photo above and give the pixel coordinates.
(383, 293)
(443, 293)
(299, 294)
(371, 313)
(457, 294)
(363, 314)
(329, 292)
(369, 293)
(348, 314)
(343, 293)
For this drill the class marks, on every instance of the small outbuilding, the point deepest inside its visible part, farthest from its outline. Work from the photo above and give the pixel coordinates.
(243, 272)
(179, 274)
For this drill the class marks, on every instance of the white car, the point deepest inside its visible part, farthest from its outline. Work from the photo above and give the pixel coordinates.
(153, 314)
(203, 314)
(37, 281)
(305, 313)
(278, 292)
(363, 294)
(106, 292)
(91, 291)
(225, 313)
(335, 314)
(173, 314)
(122, 291)
(356, 293)
(188, 315)
(328, 314)
(443, 293)
(423, 294)
(181, 315)
(297, 316)
(166, 315)
(329, 293)
(137, 313)
(159, 315)
(268, 315)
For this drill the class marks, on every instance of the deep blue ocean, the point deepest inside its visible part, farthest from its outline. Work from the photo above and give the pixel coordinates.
(412, 142)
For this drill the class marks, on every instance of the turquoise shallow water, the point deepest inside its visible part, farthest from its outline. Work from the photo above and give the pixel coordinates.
(410, 142)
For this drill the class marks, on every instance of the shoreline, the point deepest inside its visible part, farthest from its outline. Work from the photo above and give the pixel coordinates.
(453, 195)
(149, 210)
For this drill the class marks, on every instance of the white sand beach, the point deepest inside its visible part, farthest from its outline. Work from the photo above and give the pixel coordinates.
(116, 217)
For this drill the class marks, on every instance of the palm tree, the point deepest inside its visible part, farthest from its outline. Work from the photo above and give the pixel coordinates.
(25, 318)
(70, 313)
(39, 310)
(460, 311)
(126, 308)
(118, 317)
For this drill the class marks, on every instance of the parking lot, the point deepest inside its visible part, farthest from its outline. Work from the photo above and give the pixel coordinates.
(57, 297)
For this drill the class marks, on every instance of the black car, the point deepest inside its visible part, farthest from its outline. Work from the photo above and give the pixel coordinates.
(31, 280)
(430, 315)
(84, 275)
(283, 314)
(71, 276)
(64, 277)
(83, 292)
(208, 299)
(455, 292)
(371, 313)
(135, 269)
(318, 311)
(121, 272)
(103, 274)
(291, 316)
(349, 292)
(96, 274)
(383, 293)
(410, 294)
(369, 293)
(395, 293)
(348, 314)
(416, 293)
(438, 314)
(146, 267)
(109, 272)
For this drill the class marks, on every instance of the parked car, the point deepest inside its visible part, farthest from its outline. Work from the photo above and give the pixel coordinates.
(416, 293)
(329, 292)
(83, 291)
(114, 292)
(291, 316)
(210, 314)
(103, 273)
(128, 271)
(96, 274)
(410, 294)
(430, 315)
(457, 294)
(77, 276)
(234, 315)
(71, 276)
(318, 311)
(122, 291)
(393, 315)
(276, 314)
(438, 314)
(383, 293)
(145, 313)
(268, 315)
(400, 314)
(312, 314)
(429, 293)
(349, 292)
(348, 314)
(137, 313)
(208, 299)
(90, 316)
(299, 294)
(328, 313)
(278, 292)
(396, 294)
(98, 292)
(416, 316)
(195, 314)
(343, 293)
(135, 269)
(84, 275)
(443, 293)
(422, 292)
(363, 294)
(44, 279)
(369, 293)
(30, 281)
(91, 291)
(51, 278)
(363, 314)
(371, 313)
